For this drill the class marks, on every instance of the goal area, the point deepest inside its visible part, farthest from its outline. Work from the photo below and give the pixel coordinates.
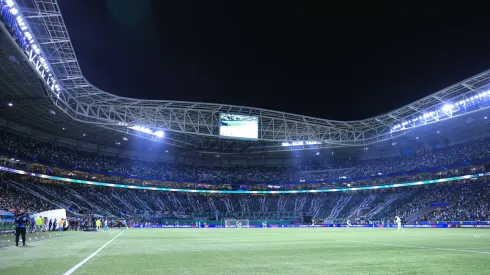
(232, 223)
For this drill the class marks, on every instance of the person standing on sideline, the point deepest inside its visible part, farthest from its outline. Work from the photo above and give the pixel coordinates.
(21, 220)
(98, 223)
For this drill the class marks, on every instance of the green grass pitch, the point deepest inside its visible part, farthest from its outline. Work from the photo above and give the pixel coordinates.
(256, 251)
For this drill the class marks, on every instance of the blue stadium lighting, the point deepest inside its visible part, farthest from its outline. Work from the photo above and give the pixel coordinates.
(14, 19)
(448, 107)
(158, 133)
(300, 143)
(447, 110)
(386, 186)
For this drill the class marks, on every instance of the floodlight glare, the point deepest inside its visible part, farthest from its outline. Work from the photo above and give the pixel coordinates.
(146, 130)
(159, 134)
(447, 107)
(10, 3)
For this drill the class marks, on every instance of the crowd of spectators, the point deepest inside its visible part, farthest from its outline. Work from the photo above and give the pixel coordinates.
(50, 153)
(467, 205)
(460, 153)
(464, 202)
(11, 199)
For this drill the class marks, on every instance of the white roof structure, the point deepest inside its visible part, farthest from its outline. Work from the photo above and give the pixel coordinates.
(43, 74)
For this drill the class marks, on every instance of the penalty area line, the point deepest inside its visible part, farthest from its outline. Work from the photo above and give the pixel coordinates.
(422, 247)
(91, 256)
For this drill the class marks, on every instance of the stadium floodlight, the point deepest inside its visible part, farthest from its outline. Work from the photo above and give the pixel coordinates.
(299, 143)
(11, 104)
(10, 3)
(14, 11)
(159, 134)
(447, 107)
(141, 129)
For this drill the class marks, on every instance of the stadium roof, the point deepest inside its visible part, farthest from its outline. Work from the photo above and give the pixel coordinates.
(49, 92)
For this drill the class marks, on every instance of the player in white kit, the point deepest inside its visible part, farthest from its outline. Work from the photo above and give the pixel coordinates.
(399, 222)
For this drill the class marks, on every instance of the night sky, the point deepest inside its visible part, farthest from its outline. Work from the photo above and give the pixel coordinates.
(326, 61)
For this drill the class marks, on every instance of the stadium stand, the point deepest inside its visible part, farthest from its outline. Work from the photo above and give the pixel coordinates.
(465, 199)
(461, 200)
(36, 195)
(463, 203)
(418, 163)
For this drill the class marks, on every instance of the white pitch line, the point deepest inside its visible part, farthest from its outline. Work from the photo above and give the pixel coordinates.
(91, 256)
(423, 247)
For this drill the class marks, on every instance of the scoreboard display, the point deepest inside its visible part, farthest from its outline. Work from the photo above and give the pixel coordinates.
(238, 126)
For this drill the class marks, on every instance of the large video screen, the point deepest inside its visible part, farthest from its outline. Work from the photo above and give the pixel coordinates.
(238, 126)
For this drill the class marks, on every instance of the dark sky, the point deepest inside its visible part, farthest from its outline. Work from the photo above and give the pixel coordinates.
(326, 61)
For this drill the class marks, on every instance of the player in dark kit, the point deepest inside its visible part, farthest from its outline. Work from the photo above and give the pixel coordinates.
(21, 220)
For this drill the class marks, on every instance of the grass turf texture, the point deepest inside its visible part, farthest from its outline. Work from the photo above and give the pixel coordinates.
(257, 251)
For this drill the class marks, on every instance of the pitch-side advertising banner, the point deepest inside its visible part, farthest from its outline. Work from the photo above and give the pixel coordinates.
(325, 225)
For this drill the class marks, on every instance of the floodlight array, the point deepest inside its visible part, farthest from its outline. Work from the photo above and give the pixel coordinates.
(466, 104)
(156, 133)
(19, 29)
(300, 143)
